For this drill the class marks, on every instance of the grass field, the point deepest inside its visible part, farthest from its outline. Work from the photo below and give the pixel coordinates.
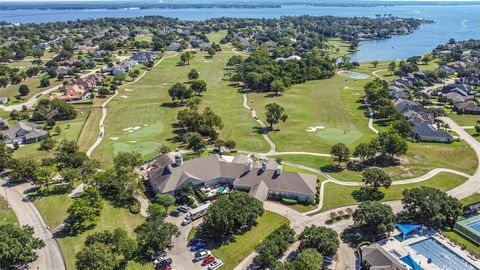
(6, 214)
(420, 159)
(144, 105)
(471, 199)
(234, 252)
(70, 130)
(11, 91)
(54, 211)
(339, 48)
(338, 196)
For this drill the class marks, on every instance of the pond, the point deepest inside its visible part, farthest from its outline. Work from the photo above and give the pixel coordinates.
(354, 75)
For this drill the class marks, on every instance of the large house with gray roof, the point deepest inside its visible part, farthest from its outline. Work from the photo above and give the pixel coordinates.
(23, 133)
(261, 179)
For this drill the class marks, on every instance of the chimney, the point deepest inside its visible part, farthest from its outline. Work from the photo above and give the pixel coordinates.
(248, 167)
(178, 160)
(278, 171)
(264, 166)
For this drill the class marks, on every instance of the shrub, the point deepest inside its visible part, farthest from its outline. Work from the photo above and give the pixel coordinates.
(134, 207)
(289, 201)
(200, 195)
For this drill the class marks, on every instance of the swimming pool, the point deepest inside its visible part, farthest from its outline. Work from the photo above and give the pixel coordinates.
(353, 75)
(441, 256)
(475, 226)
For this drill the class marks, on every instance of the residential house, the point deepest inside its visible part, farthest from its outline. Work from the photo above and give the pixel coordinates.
(168, 174)
(143, 56)
(3, 124)
(23, 133)
(426, 133)
(3, 100)
(174, 46)
(468, 107)
(90, 81)
(71, 92)
(447, 69)
(455, 97)
(100, 53)
(404, 105)
(462, 89)
(396, 92)
(42, 47)
(121, 68)
(420, 117)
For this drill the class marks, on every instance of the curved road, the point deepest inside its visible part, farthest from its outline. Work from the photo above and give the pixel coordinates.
(50, 256)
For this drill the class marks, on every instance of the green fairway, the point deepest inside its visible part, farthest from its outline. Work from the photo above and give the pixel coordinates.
(140, 119)
(420, 159)
(234, 252)
(53, 209)
(6, 214)
(337, 195)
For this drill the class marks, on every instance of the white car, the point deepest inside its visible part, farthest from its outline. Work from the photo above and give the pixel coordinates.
(187, 220)
(215, 264)
(200, 255)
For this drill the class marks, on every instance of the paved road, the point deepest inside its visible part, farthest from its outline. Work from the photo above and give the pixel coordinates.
(35, 98)
(370, 116)
(180, 254)
(104, 109)
(50, 256)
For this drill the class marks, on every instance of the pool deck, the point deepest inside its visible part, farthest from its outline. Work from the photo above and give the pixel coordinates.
(402, 248)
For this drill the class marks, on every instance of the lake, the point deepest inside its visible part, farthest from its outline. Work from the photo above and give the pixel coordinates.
(451, 21)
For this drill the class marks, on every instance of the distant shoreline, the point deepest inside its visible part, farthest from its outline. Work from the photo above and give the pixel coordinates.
(255, 5)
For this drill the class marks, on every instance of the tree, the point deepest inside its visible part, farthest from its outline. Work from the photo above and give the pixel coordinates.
(374, 219)
(193, 74)
(70, 176)
(403, 127)
(229, 213)
(154, 235)
(164, 149)
(196, 143)
(5, 155)
(180, 92)
(97, 256)
(104, 91)
(119, 184)
(477, 127)
(323, 239)
(165, 200)
(18, 246)
(22, 169)
(24, 90)
(118, 241)
(340, 153)
(274, 245)
(375, 178)
(235, 60)
(391, 143)
(44, 176)
(229, 144)
(198, 86)
(44, 82)
(365, 151)
(427, 58)
(275, 113)
(127, 160)
(277, 86)
(375, 64)
(309, 259)
(431, 207)
(211, 52)
(392, 67)
(47, 144)
(58, 130)
(84, 211)
(186, 57)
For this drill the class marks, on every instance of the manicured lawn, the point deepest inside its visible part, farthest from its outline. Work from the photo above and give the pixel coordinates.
(465, 119)
(90, 129)
(216, 36)
(471, 199)
(145, 106)
(234, 252)
(420, 158)
(338, 47)
(6, 214)
(70, 130)
(53, 210)
(338, 196)
(33, 83)
(460, 240)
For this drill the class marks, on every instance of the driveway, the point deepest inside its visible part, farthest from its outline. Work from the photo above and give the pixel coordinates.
(50, 256)
(180, 253)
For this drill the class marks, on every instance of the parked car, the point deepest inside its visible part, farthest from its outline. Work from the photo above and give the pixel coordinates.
(198, 246)
(183, 209)
(327, 260)
(166, 267)
(162, 262)
(159, 255)
(187, 220)
(215, 264)
(200, 255)
(194, 240)
(208, 260)
(175, 213)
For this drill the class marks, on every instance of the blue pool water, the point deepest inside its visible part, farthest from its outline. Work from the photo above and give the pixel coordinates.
(475, 226)
(441, 256)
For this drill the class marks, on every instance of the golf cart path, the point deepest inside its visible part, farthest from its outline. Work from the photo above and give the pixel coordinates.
(49, 257)
(104, 107)
(260, 122)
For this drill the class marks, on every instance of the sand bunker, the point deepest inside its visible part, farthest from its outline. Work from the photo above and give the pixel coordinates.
(128, 90)
(124, 96)
(136, 128)
(315, 128)
(145, 125)
(132, 141)
(114, 138)
(127, 129)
